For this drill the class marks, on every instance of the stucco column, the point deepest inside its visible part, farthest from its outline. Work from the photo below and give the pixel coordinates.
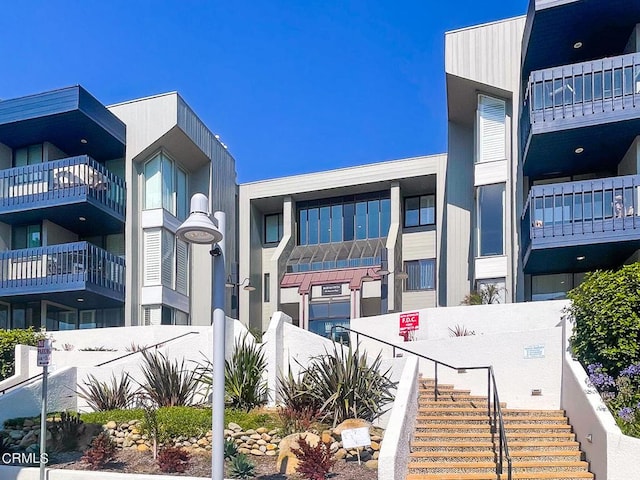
(394, 250)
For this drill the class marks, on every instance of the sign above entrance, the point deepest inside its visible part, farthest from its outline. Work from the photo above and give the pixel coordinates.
(409, 322)
(333, 289)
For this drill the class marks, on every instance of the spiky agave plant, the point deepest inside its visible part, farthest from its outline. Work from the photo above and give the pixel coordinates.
(167, 383)
(102, 396)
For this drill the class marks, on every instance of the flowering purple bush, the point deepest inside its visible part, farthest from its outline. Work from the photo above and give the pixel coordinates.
(626, 414)
(631, 371)
(599, 379)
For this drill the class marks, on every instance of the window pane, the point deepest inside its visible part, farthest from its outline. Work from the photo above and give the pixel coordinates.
(588, 87)
(490, 219)
(348, 210)
(152, 184)
(421, 274)
(427, 210)
(597, 86)
(33, 236)
(550, 287)
(35, 154)
(266, 287)
(361, 220)
(412, 212)
(303, 226)
(336, 223)
(628, 80)
(577, 85)
(617, 82)
(325, 224)
(313, 226)
(373, 215)
(385, 216)
(272, 228)
(537, 96)
(21, 157)
(167, 185)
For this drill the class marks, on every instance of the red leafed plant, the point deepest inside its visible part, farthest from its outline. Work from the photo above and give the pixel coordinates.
(101, 451)
(315, 462)
(173, 459)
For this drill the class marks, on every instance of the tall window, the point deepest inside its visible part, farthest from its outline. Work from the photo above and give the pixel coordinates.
(27, 155)
(165, 260)
(491, 129)
(420, 211)
(422, 274)
(266, 287)
(26, 236)
(490, 220)
(342, 219)
(273, 228)
(165, 186)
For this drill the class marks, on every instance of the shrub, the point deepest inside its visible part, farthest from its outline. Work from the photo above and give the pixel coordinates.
(295, 393)
(65, 431)
(606, 311)
(119, 416)
(315, 461)
(484, 295)
(348, 386)
(167, 383)
(101, 451)
(297, 420)
(250, 420)
(5, 443)
(8, 341)
(101, 396)
(230, 449)
(460, 331)
(173, 459)
(242, 467)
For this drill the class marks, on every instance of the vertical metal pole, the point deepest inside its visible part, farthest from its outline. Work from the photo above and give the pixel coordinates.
(489, 394)
(217, 408)
(435, 384)
(43, 421)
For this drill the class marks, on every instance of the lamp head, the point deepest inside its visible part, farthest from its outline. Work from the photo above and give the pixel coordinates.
(199, 228)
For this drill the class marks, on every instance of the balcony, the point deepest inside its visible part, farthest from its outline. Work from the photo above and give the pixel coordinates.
(75, 274)
(64, 191)
(581, 113)
(581, 226)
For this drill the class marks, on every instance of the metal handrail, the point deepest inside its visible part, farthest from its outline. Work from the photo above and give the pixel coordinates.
(496, 421)
(155, 345)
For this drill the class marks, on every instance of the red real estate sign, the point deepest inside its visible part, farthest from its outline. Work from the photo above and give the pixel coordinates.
(409, 322)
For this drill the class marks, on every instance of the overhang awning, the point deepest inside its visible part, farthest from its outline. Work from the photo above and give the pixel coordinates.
(304, 281)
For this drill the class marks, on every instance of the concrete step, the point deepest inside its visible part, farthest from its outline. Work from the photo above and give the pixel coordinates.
(493, 476)
(550, 466)
(458, 402)
(478, 419)
(451, 436)
(565, 436)
(453, 410)
(550, 420)
(542, 446)
(452, 446)
(452, 456)
(549, 456)
(423, 467)
(453, 427)
(536, 428)
(512, 412)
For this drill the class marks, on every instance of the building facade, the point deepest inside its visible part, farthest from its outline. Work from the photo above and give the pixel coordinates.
(90, 198)
(331, 246)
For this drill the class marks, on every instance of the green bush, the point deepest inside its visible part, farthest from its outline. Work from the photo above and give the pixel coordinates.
(606, 310)
(250, 420)
(8, 341)
(167, 383)
(102, 396)
(118, 416)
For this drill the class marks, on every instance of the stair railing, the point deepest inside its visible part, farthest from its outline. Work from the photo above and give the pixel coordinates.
(494, 409)
(155, 345)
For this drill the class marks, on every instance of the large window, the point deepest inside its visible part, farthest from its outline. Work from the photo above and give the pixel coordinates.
(26, 236)
(420, 211)
(27, 155)
(165, 186)
(490, 220)
(273, 228)
(422, 274)
(342, 219)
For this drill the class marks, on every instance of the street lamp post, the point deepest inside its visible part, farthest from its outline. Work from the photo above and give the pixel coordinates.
(199, 229)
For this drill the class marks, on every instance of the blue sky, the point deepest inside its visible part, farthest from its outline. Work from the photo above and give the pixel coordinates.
(290, 86)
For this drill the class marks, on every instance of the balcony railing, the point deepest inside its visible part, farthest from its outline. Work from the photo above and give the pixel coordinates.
(62, 180)
(600, 210)
(582, 89)
(58, 266)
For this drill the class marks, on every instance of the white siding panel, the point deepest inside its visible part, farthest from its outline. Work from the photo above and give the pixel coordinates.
(491, 267)
(491, 172)
(492, 133)
(289, 295)
(418, 245)
(418, 300)
(152, 256)
(182, 267)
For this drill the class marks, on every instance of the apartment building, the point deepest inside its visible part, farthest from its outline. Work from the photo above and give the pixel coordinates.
(90, 198)
(331, 246)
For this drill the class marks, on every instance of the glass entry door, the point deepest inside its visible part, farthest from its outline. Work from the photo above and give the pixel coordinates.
(323, 316)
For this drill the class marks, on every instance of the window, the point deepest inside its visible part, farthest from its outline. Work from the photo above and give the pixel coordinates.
(420, 211)
(163, 315)
(165, 186)
(266, 288)
(26, 236)
(165, 260)
(422, 274)
(28, 155)
(491, 129)
(342, 219)
(490, 220)
(273, 228)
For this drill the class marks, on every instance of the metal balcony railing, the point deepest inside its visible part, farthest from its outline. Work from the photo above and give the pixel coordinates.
(590, 207)
(61, 180)
(59, 265)
(580, 90)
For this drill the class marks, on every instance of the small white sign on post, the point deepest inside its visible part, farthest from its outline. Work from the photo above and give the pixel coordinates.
(356, 437)
(44, 352)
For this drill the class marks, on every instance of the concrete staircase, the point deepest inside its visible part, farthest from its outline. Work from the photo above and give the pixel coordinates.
(453, 441)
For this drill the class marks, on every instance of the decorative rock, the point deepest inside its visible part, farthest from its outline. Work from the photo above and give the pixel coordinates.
(287, 461)
(255, 436)
(256, 452)
(271, 447)
(376, 438)
(29, 439)
(244, 450)
(16, 434)
(375, 446)
(365, 456)
(270, 453)
(265, 436)
(228, 433)
(340, 454)
(203, 442)
(376, 455)
(350, 423)
(263, 448)
(371, 464)
(28, 423)
(251, 431)
(326, 436)
(261, 442)
(234, 426)
(142, 448)
(261, 430)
